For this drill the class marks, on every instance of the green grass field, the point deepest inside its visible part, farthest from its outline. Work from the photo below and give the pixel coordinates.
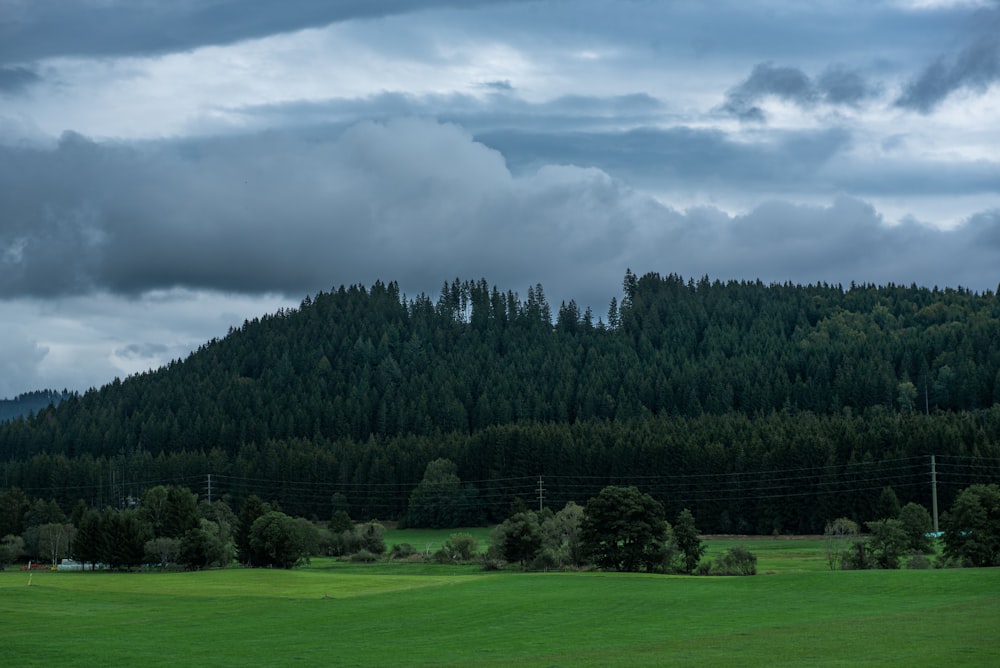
(427, 541)
(334, 613)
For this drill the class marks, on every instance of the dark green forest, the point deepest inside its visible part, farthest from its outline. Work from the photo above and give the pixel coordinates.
(762, 408)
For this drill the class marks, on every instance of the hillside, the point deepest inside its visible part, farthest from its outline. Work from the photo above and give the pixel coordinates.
(680, 381)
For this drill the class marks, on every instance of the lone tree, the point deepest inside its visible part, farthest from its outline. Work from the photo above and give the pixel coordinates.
(438, 502)
(688, 541)
(279, 540)
(624, 529)
(972, 526)
(917, 524)
(518, 538)
(839, 538)
(887, 541)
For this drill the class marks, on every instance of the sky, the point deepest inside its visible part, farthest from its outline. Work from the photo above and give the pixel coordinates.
(170, 169)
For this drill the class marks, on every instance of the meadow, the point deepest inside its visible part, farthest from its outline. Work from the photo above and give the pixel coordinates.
(336, 613)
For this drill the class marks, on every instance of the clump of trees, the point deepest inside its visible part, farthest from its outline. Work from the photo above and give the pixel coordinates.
(971, 534)
(540, 540)
(457, 548)
(620, 529)
(167, 527)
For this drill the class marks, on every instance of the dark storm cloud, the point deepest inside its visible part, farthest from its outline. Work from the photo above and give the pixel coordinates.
(409, 199)
(695, 157)
(765, 80)
(975, 67)
(840, 85)
(418, 202)
(837, 85)
(16, 79)
(36, 29)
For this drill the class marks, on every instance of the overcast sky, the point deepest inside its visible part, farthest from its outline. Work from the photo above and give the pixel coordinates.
(169, 169)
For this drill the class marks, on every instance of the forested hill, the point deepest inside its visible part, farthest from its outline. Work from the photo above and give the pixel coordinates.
(375, 384)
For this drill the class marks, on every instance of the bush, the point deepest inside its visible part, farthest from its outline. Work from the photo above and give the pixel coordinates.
(461, 546)
(545, 560)
(944, 561)
(918, 561)
(442, 556)
(402, 551)
(344, 542)
(856, 558)
(489, 563)
(363, 557)
(371, 536)
(737, 561)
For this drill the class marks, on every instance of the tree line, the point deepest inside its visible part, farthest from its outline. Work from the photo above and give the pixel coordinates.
(763, 407)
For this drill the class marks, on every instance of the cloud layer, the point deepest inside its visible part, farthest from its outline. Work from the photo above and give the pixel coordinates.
(168, 169)
(415, 200)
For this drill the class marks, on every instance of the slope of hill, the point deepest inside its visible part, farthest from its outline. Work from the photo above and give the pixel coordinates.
(361, 387)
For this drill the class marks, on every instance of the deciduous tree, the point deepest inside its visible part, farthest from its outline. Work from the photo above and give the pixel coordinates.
(917, 524)
(623, 529)
(838, 539)
(688, 541)
(886, 543)
(972, 526)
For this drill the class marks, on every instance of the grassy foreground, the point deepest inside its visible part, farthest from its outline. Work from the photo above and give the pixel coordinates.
(412, 614)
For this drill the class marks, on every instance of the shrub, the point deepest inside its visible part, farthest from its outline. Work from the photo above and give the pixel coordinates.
(489, 563)
(442, 556)
(737, 561)
(918, 561)
(363, 557)
(371, 537)
(546, 560)
(461, 546)
(402, 551)
(945, 561)
(856, 558)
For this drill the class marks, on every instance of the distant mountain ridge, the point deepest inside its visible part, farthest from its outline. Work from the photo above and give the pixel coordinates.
(30, 402)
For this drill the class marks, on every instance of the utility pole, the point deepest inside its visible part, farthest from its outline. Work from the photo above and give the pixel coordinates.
(934, 492)
(210, 488)
(541, 494)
